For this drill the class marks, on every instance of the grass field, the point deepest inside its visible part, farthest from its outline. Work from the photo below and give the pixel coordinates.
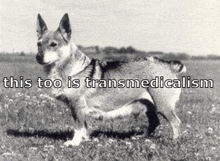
(34, 126)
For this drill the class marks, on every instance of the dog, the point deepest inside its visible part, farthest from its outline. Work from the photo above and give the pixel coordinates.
(62, 60)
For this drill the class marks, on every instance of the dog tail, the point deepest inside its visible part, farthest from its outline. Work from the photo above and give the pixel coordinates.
(175, 65)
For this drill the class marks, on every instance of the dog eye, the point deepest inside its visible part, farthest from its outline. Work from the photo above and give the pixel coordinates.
(53, 44)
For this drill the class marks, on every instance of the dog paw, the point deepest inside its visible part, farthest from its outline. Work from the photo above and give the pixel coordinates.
(96, 115)
(86, 138)
(78, 138)
(72, 143)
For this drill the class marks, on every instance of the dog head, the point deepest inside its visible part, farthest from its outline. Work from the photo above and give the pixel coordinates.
(53, 46)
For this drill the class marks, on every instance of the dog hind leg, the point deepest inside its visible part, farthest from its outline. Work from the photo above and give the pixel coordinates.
(165, 101)
(153, 119)
(128, 109)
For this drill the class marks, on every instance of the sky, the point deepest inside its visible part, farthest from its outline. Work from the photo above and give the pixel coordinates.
(190, 26)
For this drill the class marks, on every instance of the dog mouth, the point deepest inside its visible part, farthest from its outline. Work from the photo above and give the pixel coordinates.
(44, 63)
(41, 60)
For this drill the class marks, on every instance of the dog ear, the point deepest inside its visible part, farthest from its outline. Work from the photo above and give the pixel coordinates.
(41, 26)
(65, 27)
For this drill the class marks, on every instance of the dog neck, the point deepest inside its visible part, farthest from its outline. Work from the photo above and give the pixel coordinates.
(77, 63)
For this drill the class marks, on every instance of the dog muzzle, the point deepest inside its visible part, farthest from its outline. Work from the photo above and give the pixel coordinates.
(39, 58)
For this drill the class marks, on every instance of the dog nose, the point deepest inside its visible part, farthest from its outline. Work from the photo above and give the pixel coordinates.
(39, 58)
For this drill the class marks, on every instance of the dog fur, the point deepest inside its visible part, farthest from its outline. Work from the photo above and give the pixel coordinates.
(62, 59)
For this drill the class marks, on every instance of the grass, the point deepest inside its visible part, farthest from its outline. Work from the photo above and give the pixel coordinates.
(34, 126)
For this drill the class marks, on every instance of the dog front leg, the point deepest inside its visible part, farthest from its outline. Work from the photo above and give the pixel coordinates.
(80, 125)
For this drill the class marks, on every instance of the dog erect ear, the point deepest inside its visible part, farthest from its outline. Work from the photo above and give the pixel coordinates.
(65, 27)
(41, 26)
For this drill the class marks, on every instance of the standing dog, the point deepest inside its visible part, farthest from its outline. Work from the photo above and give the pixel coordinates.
(63, 60)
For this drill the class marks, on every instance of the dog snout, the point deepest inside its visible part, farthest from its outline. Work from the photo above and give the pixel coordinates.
(39, 58)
